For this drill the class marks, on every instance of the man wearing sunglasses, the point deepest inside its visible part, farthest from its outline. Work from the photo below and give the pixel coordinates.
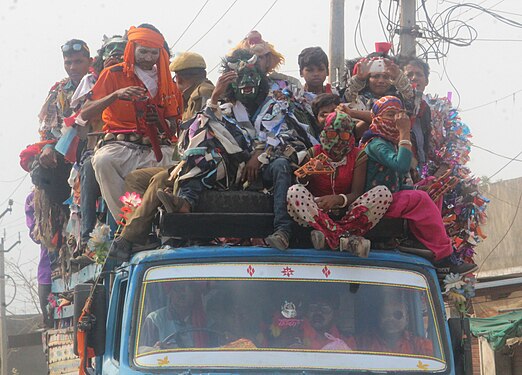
(392, 333)
(49, 171)
(57, 106)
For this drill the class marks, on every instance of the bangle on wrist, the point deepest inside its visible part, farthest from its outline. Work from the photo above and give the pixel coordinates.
(345, 201)
(211, 105)
(405, 142)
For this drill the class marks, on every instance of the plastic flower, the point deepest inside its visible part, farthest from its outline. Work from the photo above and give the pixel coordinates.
(453, 281)
(455, 297)
(99, 242)
(131, 199)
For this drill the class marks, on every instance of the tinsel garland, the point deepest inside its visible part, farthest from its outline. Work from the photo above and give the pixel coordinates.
(464, 208)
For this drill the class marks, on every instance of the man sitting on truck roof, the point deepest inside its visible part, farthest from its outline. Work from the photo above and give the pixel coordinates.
(191, 78)
(140, 105)
(222, 133)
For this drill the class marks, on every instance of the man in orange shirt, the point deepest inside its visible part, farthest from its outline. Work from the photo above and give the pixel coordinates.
(118, 96)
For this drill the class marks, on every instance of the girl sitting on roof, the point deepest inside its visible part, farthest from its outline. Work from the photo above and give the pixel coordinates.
(387, 146)
(340, 193)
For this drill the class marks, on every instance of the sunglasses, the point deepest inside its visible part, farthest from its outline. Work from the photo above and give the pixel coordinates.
(76, 47)
(397, 315)
(344, 135)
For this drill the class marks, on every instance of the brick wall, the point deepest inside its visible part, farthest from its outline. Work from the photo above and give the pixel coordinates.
(475, 352)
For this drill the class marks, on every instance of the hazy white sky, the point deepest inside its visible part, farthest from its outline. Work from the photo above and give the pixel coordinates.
(31, 33)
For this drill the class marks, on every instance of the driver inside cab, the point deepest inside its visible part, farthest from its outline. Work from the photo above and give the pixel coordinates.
(179, 324)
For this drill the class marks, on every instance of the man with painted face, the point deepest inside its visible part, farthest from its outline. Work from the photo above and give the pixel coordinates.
(280, 143)
(319, 328)
(140, 106)
(218, 138)
(244, 89)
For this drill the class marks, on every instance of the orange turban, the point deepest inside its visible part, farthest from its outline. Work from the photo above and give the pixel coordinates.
(151, 39)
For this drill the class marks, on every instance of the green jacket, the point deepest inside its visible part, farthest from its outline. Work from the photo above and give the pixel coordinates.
(386, 165)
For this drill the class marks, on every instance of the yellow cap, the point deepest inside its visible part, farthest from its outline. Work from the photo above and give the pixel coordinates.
(187, 60)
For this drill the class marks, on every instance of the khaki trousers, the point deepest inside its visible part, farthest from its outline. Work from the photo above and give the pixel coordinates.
(146, 182)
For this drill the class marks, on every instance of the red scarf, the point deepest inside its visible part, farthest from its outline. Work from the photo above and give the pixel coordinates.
(384, 127)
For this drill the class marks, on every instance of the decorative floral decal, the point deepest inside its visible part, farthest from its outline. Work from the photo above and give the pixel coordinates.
(163, 361)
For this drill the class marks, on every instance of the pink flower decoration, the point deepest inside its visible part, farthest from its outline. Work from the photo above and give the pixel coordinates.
(131, 199)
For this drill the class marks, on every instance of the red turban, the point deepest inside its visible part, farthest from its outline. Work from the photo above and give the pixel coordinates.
(151, 39)
(30, 152)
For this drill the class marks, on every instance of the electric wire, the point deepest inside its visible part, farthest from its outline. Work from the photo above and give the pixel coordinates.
(15, 290)
(10, 181)
(358, 31)
(264, 15)
(214, 25)
(15, 189)
(494, 153)
(190, 24)
(492, 102)
(505, 165)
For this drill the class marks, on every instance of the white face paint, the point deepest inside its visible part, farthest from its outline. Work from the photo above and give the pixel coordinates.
(146, 57)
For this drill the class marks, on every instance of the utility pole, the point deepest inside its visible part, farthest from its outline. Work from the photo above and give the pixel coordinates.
(408, 30)
(336, 41)
(3, 315)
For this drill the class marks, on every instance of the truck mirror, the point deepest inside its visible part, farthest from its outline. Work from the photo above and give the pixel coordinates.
(97, 319)
(460, 333)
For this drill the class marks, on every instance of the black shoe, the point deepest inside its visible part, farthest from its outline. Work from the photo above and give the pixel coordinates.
(449, 265)
(120, 250)
(152, 243)
(82, 260)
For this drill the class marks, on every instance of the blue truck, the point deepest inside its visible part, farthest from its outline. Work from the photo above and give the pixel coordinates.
(195, 306)
(250, 310)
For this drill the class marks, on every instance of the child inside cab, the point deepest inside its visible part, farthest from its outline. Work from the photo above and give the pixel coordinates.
(333, 203)
(387, 146)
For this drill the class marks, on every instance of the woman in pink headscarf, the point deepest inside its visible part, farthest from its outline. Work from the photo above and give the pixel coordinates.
(387, 145)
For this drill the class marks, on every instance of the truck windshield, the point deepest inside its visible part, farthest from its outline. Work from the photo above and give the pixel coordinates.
(287, 316)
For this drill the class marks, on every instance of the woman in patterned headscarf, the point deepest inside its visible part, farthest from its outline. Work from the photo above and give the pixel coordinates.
(339, 194)
(387, 146)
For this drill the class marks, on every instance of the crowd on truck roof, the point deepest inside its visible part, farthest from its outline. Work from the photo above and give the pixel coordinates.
(134, 119)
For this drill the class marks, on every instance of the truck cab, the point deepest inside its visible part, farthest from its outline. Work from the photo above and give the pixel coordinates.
(252, 310)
